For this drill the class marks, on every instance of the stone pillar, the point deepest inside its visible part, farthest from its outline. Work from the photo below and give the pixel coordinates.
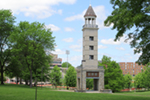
(88, 21)
(78, 84)
(101, 80)
(77, 81)
(84, 80)
(85, 21)
(94, 21)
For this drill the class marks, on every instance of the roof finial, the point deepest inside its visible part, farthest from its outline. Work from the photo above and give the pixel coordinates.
(90, 2)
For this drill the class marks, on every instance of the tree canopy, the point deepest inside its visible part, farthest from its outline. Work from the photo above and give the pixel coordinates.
(55, 76)
(132, 14)
(113, 77)
(64, 64)
(70, 77)
(128, 81)
(6, 29)
(29, 44)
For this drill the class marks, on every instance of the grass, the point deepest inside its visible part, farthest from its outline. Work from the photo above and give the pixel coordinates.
(21, 92)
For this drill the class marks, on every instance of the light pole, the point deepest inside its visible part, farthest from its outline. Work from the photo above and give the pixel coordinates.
(67, 52)
(41, 76)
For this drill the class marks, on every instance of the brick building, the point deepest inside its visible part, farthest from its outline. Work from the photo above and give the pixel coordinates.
(56, 61)
(131, 68)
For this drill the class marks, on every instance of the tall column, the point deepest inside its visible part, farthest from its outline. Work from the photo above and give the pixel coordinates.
(84, 80)
(85, 21)
(88, 21)
(101, 80)
(92, 21)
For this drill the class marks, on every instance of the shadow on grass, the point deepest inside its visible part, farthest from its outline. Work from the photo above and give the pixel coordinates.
(133, 91)
(16, 86)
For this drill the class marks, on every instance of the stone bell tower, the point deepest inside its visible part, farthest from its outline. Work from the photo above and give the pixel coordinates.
(89, 68)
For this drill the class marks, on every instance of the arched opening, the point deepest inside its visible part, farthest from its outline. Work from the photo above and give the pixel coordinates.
(92, 81)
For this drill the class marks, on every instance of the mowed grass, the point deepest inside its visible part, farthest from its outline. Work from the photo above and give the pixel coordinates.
(22, 92)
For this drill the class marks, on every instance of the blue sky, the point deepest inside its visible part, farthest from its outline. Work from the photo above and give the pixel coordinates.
(65, 18)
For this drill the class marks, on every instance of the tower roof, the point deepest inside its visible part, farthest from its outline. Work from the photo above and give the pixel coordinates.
(90, 12)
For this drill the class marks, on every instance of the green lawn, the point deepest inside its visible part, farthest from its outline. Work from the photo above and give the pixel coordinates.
(21, 92)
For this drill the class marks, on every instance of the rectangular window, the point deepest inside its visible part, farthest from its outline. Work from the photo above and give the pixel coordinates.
(91, 38)
(91, 57)
(134, 65)
(91, 47)
(125, 66)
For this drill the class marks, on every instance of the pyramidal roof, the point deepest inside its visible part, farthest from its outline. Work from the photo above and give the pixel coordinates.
(90, 12)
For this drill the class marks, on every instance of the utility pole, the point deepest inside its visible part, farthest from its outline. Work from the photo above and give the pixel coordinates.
(67, 52)
(36, 88)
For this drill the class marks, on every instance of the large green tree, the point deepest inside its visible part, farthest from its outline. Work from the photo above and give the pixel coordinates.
(55, 76)
(65, 64)
(70, 77)
(132, 17)
(128, 81)
(6, 28)
(113, 77)
(147, 75)
(30, 41)
(137, 80)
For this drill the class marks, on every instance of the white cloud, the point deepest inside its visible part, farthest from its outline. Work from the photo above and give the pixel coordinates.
(75, 17)
(74, 60)
(34, 8)
(100, 12)
(68, 29)
(53, 27)
(58, 51)
(79, 41)
(68, 40)
(120, 48)
(76, 48)
(101, 47)
(112, 42)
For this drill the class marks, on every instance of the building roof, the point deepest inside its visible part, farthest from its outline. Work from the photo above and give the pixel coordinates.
(90, 12)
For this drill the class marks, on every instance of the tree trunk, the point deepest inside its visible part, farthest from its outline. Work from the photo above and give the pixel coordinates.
(17, 80)
(30, 78)
(20, 81)
(2, 77)
(26, 82)
(35, 83)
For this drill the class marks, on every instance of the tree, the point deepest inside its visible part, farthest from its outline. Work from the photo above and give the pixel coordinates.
(137, 80)
(128, 80)
(113, 77)
(55, 76)
(131, 14)
(70, 77)
(147, 76)
(105, 60)
(4, 78)
(64, 65)
(89, 83)
(6, 28)
(30, 42)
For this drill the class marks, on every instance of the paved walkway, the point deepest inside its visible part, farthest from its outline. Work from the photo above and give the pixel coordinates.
(73, 91)
(65, 90)
(92, 91)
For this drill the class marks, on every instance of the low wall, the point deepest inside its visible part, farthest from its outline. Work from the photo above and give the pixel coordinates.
(106, 90)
